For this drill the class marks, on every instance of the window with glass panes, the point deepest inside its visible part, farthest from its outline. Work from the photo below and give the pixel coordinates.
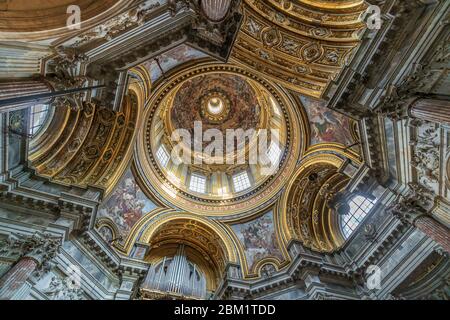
(197, 183)
(359, 208)
(38, 116)
(241, 181)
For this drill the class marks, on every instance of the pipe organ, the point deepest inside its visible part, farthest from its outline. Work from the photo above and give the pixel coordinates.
(175, 277)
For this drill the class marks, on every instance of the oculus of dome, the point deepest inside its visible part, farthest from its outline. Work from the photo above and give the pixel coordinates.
(215, 107)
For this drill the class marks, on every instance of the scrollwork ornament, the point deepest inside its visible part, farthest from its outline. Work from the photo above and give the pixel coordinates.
(10, 248)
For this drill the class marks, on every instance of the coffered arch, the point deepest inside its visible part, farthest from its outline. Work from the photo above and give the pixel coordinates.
(296, 44)
(305, 213)
(46, 19)
(161, 182)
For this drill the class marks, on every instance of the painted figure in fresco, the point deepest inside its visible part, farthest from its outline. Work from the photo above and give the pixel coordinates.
(327, 125)
(171, 59)
(259, 239)
(127, 204)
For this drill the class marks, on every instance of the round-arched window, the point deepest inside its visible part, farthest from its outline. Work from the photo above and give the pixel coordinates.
(39, 115)
(359, 208)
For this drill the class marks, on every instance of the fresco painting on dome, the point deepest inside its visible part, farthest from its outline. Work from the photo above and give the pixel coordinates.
(244, 106)
(259, 240)
(171, 59)
(326, 125)
(126, 205)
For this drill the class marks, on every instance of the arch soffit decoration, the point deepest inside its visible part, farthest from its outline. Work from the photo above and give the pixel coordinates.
(334, 162)
(331, 147)
(151, 223)
(141, 90)
(47, 20)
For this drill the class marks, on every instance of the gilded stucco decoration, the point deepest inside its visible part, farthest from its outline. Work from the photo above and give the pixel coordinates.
(47, 19)
(305, 214)
(125, 206)
(90, 146)
(235, 97)
(260, 243)
(284, 52)
(296, 44)
(255, 93)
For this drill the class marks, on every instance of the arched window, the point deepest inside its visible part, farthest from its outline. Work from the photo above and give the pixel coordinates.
(359, 208)
(163, 156)
(241, 181)
(38, 117)
(198, 183)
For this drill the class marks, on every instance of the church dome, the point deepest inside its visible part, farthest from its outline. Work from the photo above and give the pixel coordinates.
(215, 138)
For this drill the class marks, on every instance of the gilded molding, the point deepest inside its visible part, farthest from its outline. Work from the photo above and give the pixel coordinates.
(285, 44)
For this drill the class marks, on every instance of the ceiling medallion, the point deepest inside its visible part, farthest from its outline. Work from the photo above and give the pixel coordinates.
(312, 52)
(271, 37)
(215, 107)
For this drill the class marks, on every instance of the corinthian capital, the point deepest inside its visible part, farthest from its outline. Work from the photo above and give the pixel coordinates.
(41, 247)
(416, 203)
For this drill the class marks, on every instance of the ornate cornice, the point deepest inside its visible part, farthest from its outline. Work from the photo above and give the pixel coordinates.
(304, 263)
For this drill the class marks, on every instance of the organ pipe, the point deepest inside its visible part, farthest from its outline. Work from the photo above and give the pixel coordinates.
(182, 277)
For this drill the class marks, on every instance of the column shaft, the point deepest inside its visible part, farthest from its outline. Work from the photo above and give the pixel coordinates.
(432, 110)
(435, 230)
(16, 277)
